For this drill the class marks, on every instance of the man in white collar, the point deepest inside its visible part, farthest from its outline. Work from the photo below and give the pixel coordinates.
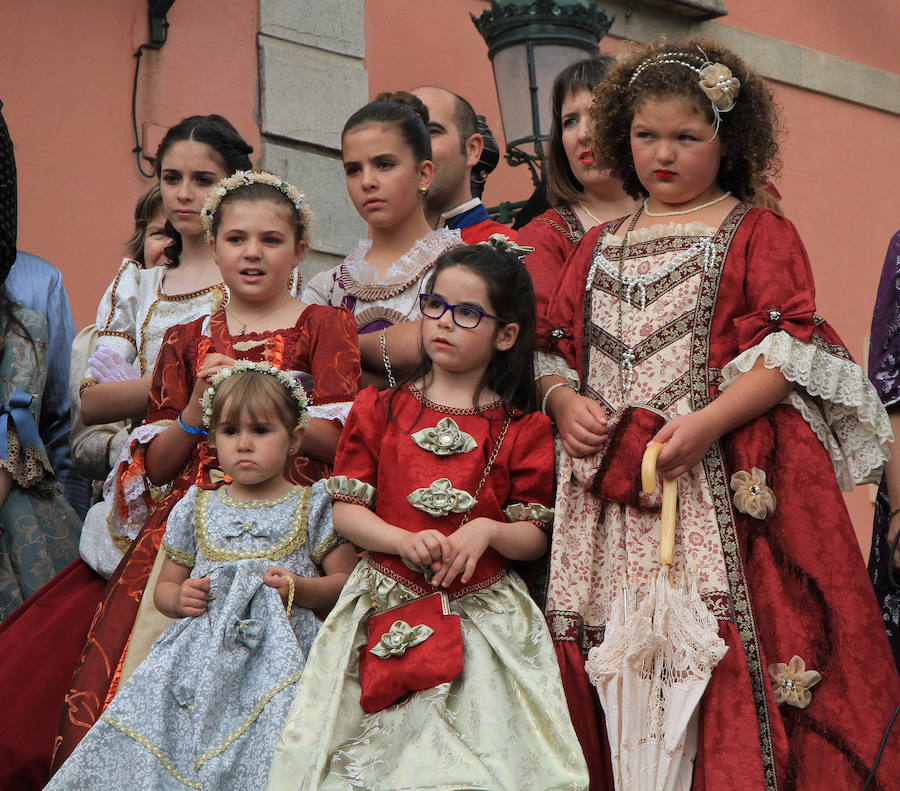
(457, 148)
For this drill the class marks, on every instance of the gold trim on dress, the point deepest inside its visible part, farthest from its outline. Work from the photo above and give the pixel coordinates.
(257, 710)
(325, 547)
(179, 556)
(147, 744)
(295, 538)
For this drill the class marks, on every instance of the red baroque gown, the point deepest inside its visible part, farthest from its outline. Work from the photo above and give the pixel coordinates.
(323, 344)
(671, 323)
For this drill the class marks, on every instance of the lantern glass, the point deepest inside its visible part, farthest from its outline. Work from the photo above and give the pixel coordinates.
(512, 75)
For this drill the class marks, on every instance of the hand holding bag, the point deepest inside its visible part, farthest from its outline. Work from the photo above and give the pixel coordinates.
(416, 645)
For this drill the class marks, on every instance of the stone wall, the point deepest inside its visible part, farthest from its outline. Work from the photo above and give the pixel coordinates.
(311, 78)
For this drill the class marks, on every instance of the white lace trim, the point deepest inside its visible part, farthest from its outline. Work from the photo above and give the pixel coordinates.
(336, 411)
(547, 364)
(663, 230)
(837, 401)
(424, 251)
(128, 524)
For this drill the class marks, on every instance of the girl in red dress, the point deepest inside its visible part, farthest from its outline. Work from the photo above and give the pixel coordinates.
(258, 226)
(461, 439)
(702, 307)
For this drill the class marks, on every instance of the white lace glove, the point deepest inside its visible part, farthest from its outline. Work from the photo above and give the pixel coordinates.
(107, 365)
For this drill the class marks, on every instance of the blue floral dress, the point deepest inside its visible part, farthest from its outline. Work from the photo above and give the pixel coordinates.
(205, 708)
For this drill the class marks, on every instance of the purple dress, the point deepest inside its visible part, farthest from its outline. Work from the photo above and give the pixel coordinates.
(884, 371)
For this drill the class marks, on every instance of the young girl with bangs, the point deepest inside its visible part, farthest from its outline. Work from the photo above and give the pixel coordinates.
(445, 480)
(702, 307)
(386, 150)
(237, 561)
(259, 229)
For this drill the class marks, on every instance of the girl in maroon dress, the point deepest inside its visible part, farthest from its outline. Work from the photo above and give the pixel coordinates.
(258, 227)
(704, 310)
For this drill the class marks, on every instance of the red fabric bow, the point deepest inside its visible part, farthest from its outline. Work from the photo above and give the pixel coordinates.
(795, 316)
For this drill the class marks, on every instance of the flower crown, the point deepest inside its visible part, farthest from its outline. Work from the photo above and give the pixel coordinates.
(290, 384)
(243, 178)
(503, 244)
(716, 79)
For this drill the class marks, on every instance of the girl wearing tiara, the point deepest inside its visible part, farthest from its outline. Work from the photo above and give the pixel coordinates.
(445, 481)
(241, 575)
(387, 161)
(259, 229)
(702, 307)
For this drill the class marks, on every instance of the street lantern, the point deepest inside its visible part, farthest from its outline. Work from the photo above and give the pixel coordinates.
(529, 43)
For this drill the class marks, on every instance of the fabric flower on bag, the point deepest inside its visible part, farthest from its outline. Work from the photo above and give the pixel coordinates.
(791, 682)
(400, 637)
(718, 83)
(751, 495)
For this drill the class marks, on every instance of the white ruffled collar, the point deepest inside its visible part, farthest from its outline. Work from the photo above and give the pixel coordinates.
(423, 252)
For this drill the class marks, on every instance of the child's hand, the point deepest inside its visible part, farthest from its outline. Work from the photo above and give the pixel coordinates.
(686, 439)
(426, 548)
(211, 365)
(467, 545)
(279, 577)
(193, 595)
(580, 421)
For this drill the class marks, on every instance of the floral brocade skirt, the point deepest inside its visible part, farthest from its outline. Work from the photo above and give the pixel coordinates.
(501, 725)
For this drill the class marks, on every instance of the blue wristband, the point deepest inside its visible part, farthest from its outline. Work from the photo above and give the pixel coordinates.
(193, 431)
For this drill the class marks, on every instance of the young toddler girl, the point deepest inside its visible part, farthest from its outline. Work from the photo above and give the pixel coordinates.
(206, 706)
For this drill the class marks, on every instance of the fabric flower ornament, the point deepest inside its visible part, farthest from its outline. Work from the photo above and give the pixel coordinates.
(751, 495)
(791, 682)
(400, 637)
(502, 243)
(445, 439)
(722, 88)
(440, 499)
(247, 632)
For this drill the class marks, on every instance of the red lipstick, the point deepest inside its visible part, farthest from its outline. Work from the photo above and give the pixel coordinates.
(664, 175)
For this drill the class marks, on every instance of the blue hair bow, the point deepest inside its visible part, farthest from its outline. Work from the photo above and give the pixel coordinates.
(17, 410)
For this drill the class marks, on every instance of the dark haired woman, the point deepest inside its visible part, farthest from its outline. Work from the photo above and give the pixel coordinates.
(583, 194)
(387, 162)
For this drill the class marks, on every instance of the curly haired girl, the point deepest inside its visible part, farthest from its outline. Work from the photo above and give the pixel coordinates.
(702, 307)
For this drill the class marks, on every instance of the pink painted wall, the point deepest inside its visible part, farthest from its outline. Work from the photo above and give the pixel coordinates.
(67, 70)
(839, 177)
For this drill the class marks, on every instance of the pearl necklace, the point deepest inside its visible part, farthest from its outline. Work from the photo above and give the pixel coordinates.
(713, 202)
(590, 214)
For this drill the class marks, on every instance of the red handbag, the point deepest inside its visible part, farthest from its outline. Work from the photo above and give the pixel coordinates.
(414, 646)
(618, 477)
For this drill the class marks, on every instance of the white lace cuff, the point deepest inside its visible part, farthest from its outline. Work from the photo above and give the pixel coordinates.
(835, 398)
(336, 411)
(547, 364)
(126, 487)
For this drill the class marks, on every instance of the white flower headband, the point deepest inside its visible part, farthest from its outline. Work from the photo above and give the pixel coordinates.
(716, 80)
(502, 243)
(290, 384)
(243, 178)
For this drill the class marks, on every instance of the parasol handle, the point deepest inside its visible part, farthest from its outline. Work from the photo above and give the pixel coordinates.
(669, 502)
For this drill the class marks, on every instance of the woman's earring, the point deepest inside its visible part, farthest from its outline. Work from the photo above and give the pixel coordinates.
(423, 189)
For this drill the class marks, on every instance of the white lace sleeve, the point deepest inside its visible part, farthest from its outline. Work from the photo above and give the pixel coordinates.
(834, 397)
(546, 364)
(337, 411)
(127, 484)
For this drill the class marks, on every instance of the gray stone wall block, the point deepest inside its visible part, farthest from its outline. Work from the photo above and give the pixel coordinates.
(338, 228)
(324, 24)
(307, 94)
